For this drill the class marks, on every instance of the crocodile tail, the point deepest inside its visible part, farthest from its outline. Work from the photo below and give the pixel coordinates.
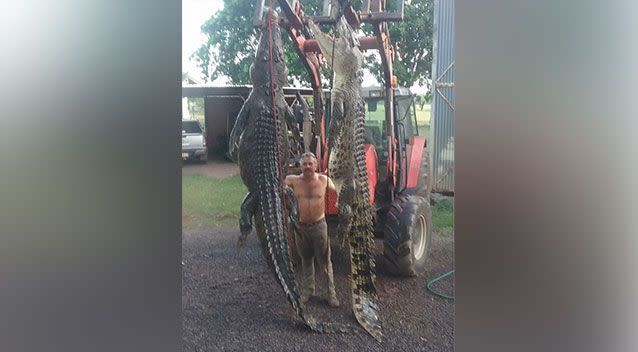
(364, 294)
(361, 240)
(330, 328)
(270, 192)
(269, 188)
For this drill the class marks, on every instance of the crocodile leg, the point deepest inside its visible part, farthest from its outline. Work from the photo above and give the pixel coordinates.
(346, 196)
(292, 125)
(260, 143)
(246, 213)
(347, 164)
(335, 124)
(293, 215)
(237, 131)
(292, 207)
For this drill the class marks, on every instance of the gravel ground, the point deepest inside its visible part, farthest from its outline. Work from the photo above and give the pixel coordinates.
(232, 302)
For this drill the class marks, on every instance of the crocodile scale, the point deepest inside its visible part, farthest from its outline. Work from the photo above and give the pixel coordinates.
(347, 167)
(259, 143)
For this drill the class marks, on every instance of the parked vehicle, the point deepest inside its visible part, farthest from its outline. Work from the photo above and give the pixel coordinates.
(194, 141)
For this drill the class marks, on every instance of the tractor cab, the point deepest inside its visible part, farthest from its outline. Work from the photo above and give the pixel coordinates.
(406, 175)
(375, 125)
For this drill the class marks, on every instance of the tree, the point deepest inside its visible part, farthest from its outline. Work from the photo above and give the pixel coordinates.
(421, 100)
(196, 106)
(231, 44)
(412, 42)
(418, 99)
(428, 96)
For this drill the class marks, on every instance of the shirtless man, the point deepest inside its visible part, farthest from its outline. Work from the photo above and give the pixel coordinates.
(312, 235)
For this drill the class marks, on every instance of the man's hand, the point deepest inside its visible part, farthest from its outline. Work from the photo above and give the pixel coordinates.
(289, 181)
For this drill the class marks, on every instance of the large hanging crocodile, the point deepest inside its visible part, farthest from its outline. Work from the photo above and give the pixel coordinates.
(348, 169)
(259, 143)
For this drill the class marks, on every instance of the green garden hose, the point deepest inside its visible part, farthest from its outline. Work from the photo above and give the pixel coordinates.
(431, 282)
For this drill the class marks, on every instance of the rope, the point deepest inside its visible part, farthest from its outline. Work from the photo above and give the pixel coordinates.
(277, 128)
(332, 61)
(438, 278)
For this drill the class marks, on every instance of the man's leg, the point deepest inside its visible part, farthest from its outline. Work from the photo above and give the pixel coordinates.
(307, 277)
(324, 263)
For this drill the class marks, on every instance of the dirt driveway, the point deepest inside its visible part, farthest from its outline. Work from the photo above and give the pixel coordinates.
(232, 302)
(214, 168)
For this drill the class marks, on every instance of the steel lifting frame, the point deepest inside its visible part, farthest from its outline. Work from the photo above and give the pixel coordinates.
(371, 11)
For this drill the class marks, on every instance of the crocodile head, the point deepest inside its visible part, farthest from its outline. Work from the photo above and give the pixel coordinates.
(346, 58)
(260, 68)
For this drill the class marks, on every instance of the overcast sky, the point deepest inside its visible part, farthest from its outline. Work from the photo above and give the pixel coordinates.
(194, 14)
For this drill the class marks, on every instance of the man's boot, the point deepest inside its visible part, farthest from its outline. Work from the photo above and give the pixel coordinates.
(331, 298)
(304, 299)
(333, 301)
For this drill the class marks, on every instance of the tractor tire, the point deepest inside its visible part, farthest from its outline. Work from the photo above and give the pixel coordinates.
(423, 186)
(407, 234)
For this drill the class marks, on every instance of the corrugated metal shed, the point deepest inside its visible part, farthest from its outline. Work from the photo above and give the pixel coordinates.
(442, 131)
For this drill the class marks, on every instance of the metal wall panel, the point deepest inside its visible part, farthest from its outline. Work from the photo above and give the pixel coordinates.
(442, 121)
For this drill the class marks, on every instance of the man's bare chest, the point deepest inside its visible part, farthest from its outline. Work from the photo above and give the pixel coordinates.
(310, 190)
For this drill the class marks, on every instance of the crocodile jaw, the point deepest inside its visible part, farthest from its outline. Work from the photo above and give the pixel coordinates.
(345, 61)
(326, 41)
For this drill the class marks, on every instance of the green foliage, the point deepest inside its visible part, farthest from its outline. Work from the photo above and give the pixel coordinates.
(412, 41)
(232, 42)
(196, 106)
(421, 100)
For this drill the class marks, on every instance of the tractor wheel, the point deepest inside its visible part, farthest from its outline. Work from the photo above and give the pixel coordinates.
(423, 186)
(407, 234)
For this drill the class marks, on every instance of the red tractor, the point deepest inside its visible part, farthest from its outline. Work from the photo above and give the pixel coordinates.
(398, 178)
(396, 155)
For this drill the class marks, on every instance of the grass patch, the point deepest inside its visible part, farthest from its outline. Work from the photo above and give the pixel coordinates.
(423, 116)
(209, 203)
(423, 120)
(443, 217)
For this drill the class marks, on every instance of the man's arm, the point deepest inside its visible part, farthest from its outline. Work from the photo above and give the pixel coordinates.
(331, 186)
